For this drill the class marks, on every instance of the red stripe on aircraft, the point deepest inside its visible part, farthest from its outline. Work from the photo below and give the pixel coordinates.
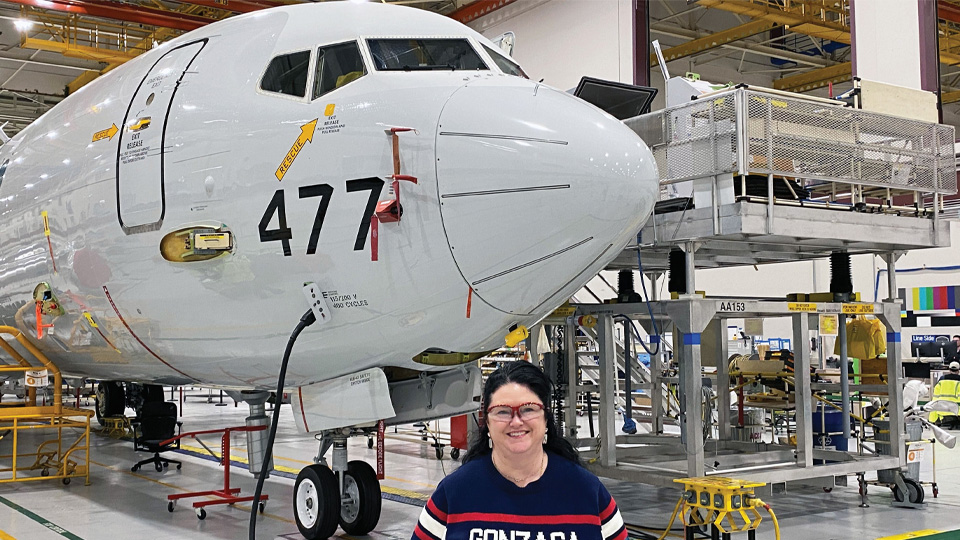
(469, 300)
(302, 413)
(140, 341)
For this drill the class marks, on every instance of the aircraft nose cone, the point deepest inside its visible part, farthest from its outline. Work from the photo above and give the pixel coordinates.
(538, 191)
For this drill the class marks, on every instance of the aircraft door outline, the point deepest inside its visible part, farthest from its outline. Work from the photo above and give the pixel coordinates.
(141, 147)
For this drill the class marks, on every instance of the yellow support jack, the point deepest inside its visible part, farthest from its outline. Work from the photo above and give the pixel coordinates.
(716, 502)
(116, 427)
(55, 458)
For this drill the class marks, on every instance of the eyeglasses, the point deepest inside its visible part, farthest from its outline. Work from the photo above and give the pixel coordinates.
(525, 411)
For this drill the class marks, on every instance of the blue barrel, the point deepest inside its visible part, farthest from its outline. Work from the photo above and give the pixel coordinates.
(829, 432)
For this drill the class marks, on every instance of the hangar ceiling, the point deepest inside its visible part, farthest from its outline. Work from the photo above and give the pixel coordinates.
(795, 45)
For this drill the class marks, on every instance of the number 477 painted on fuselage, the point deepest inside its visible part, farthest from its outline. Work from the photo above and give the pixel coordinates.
(175, 208)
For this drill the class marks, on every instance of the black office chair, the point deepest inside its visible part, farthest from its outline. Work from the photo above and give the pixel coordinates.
(157, 423)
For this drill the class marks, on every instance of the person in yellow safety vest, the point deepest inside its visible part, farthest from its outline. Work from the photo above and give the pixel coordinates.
(947, 389)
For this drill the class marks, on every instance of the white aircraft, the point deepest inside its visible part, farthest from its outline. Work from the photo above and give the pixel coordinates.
(167, 217)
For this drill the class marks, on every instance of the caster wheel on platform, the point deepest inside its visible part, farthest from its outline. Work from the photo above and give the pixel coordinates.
(201, 514)
(171, 505)
(455, 453)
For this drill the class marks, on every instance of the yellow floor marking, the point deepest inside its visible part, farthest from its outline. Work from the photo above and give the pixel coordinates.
(5, 536)
(185, 490)
(914, 534)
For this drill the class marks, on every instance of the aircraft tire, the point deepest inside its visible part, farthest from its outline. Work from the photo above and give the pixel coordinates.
(361, 509)
(316, 502)
(110, 400)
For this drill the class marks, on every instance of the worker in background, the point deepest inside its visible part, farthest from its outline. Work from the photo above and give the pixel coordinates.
(954, 354)
(947, 389)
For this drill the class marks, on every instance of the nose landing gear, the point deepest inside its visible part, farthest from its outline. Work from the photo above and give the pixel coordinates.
(348, 495)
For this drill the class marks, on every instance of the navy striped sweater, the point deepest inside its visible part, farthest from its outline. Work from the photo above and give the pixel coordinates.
(476, 503)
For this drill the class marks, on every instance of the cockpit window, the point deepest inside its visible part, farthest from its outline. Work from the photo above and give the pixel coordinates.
(337, 65)
(424, 54)
(287, 74)
(505, 64)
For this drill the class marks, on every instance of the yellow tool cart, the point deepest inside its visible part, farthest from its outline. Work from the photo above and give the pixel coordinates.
(63, 433)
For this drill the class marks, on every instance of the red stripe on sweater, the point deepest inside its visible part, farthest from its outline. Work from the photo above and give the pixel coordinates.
(421, 534)
(441, 516)
(609, 510)
(622, 535)
(569, 519)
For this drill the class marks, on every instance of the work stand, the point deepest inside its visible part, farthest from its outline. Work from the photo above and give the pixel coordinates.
(227, 495)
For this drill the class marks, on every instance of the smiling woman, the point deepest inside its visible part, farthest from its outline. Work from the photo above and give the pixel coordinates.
(520, 478)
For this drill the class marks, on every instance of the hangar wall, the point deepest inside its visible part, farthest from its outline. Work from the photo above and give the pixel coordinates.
(560, 41)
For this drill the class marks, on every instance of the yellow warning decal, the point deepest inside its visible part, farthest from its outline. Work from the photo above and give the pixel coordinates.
(106, 133)
(809, 307)
(141, 124)
(46, 223)
(328, 111)
(306, 135)
(90, 320)
(857, 309)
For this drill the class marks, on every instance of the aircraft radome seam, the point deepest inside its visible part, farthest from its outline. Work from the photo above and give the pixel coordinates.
(504, 191)
(506, 137)
(535, 261)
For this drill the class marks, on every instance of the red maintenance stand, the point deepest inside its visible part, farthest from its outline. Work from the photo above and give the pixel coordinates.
(227, 495)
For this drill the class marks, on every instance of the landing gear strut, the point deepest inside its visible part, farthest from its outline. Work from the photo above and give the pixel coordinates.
(348, 494)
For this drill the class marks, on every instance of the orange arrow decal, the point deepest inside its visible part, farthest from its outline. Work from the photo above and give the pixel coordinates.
(106, 133)
(306, 135)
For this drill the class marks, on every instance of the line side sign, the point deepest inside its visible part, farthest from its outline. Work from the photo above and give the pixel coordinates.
(106, 133)
(306, 135)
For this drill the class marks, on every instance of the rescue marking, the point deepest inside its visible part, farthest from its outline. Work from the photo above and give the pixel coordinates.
(48, 524)
(105, 133)
(136, 337)
(306, 135)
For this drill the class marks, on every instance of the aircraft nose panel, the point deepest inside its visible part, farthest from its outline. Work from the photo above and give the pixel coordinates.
(536, 187)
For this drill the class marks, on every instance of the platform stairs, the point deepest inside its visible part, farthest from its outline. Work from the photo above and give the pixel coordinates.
(640, 376)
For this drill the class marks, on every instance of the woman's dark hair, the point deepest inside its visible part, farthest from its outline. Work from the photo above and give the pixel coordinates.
(532, 377)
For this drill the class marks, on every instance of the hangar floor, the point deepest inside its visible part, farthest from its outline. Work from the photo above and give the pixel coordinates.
(123, 504)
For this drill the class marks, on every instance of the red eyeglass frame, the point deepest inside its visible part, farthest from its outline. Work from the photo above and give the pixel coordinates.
(515, 411)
